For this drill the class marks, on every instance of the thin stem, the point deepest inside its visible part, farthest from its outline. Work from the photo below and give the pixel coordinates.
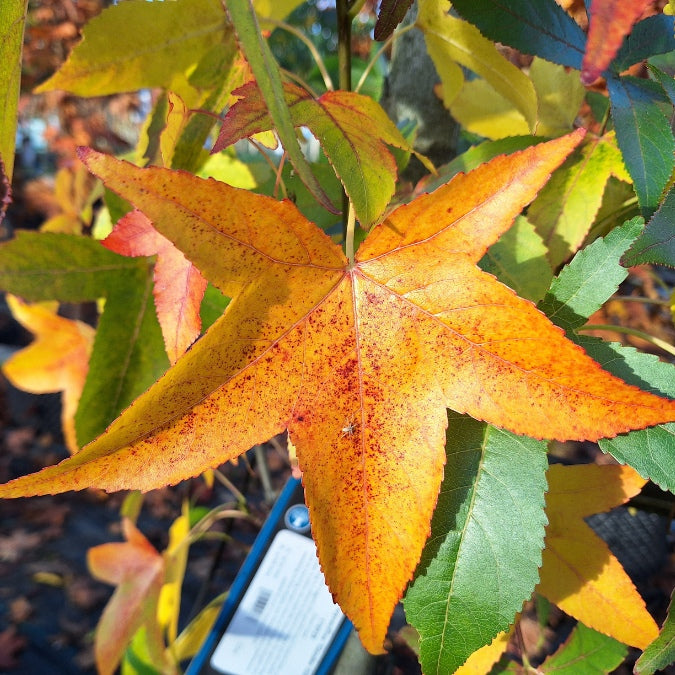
(344, 48)
(371, 64)
(349, 237)
(657, 342)
(224, 480)
(309, 44)
(646, 301)
(355, 7)
(344, 53)
(276, 170)
(299, 81)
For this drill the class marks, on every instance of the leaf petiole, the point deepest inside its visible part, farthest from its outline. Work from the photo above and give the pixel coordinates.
(349, 236)
(657, 342)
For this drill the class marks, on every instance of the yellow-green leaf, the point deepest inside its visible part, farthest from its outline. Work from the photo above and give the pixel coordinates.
(12, 22)
(451, 41)
(140, 44)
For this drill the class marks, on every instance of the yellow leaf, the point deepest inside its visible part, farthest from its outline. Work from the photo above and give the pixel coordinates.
(451, 41)
(175, 560)
(58, 359)
(481, 110)
(481, 661)
(193, 635)
(579, 573)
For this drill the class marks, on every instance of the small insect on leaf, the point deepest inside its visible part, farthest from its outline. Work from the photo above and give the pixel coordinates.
(349, 428)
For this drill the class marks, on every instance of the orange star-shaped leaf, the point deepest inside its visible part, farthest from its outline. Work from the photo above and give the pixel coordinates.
(358, 361)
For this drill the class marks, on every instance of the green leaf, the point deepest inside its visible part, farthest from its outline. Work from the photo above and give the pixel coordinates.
(580, 289)
(660, 653)
(266, 72)
(566, 207)
(450, 41)
(140, 44)
(653, 35)
(657, 242)
(665, 80)
(518, 259)
(12, 22)
(303, 198)
(354, 132)
(644, 136)
(538, 27)
(487, 532)
(47, 266)
(189, 152)
(128, 354)
(593, 276)
(213, 306)
(649, 451)
(585, 652)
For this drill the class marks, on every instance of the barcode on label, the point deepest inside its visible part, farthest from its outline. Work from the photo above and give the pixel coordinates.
(261, 601)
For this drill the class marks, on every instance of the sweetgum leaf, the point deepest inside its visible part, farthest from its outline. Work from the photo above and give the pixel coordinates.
(56, 361)
(128, 354)
(609, 22)
(644, 136)
(12, 23)
(152, 41)
(5, 191)
(178, 285)
(137, 570)
(537, 27)
(357, 361)
(482, 559)
(579, 290)
(579, 573)
(451, 41)
(661, 653)
(649, 451)
(518, 260)
(354, 132)
(657, 242)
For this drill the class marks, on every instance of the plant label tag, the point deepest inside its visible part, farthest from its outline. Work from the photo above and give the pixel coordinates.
(279, 617)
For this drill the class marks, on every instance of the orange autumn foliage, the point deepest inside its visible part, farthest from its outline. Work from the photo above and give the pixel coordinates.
(315, 344)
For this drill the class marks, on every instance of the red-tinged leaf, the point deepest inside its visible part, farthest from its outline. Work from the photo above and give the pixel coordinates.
(179, 286)
(579, 573)
(353, 130)
(610, 22)
(137, 570)
(358, 361)
(390, 15)
(58, 359)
